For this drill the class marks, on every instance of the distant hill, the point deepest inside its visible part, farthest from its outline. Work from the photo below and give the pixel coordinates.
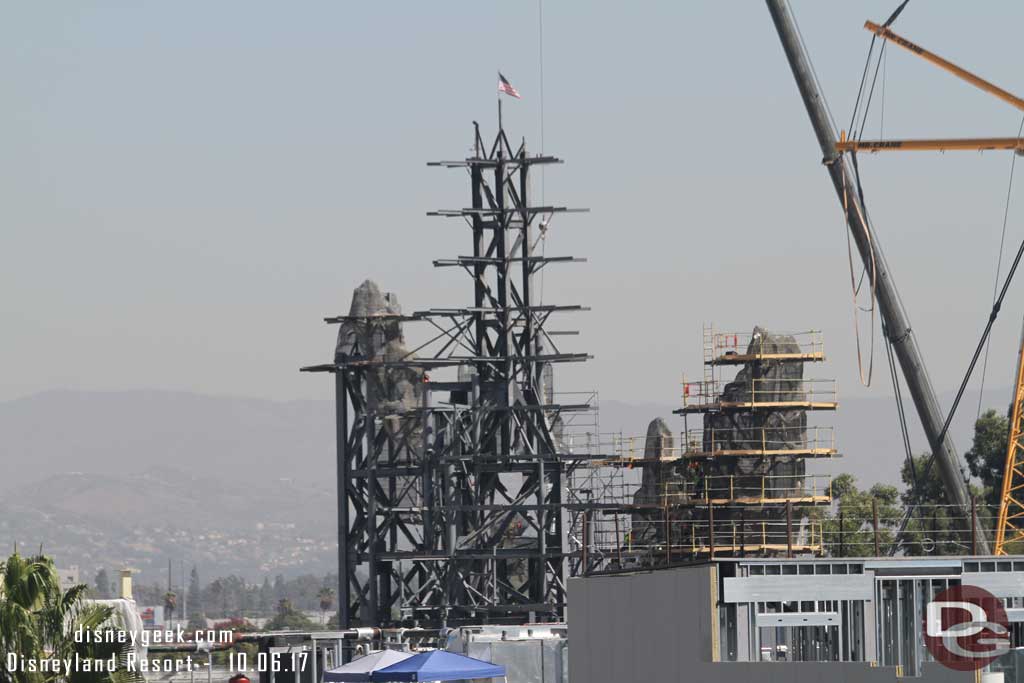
(237, 485)
(241, 485)
(241, 440)
(141, 520)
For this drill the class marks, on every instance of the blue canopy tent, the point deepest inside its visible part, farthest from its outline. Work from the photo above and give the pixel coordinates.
(437, 665)
(359, 670)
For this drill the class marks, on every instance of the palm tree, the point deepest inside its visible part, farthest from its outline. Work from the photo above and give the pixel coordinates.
(38, 619)
(326, 596)
(170, 604)
(27, 586)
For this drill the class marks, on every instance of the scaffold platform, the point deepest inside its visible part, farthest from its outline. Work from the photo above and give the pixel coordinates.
(737, 348)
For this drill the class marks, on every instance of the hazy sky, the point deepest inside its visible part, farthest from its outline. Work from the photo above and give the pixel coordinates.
(187, 188)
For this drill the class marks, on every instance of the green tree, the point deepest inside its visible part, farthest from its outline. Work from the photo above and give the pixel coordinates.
(266, 599)
(152, 594)
(935, 528)
(987, 456)
(849, 529)
(38, 619)
(170, 605)
(102, 582)
(304, 591)
(326, 596)
(194, 599)
(289, 619)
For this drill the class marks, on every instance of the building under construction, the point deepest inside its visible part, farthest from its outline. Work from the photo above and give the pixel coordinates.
(453, 456)
(473, 490)
(470, 489)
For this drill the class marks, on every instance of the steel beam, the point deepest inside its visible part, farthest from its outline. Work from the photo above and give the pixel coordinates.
(341, 422)
(450, 510)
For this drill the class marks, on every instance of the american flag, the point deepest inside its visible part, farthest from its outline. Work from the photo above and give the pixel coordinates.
(506, 87)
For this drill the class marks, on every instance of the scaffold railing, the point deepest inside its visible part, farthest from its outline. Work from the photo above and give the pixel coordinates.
(579, 430)
(736, 348)
(667, 537)
(760, 393)
(805, 442)
(747, 489)
(660, 534)
(814, 441)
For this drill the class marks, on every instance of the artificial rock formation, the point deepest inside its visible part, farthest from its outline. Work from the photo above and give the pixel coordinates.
(661, 484)
(374, 333)
(763, 381)
(659, 443)
(377, 335)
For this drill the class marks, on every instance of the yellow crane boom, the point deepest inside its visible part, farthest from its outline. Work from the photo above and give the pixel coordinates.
(939, 145)
(936, 145)
(1010, 526)
(888, 34)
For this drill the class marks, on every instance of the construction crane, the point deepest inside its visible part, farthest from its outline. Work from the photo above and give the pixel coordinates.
(932, 145)
(1010, 525)
(1011, 509)
(894, 316)
(1016, 144)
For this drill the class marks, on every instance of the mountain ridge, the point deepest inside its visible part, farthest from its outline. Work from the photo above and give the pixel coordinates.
(246, 485)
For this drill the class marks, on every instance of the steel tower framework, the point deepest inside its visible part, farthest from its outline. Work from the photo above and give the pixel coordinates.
(455, 510)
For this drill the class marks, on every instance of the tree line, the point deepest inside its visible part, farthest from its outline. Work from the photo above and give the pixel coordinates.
(935, 526)
(232, 597)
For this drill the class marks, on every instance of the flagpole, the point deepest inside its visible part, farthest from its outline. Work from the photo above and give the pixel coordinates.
(499, 102)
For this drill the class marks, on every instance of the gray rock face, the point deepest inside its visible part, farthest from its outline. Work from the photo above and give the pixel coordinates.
(377, 335)
(765, 381)
(661, 483)
(659, 442)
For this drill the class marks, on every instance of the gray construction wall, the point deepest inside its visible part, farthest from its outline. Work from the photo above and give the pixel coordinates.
(657, 626)
(639, 627)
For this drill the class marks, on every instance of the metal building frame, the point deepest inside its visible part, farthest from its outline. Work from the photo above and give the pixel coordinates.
(455, 511)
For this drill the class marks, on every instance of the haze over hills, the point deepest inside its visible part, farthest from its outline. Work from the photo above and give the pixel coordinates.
(240, 440)
(246, 486)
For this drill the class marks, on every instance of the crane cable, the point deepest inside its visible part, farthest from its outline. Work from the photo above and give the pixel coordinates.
(856, 288)
(900, 409)
(545, 221)
(996, 306)
(861, 209)
(999, 264)
(854, 133)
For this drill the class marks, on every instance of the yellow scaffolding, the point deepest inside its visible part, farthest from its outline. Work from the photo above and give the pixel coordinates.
(631, 451)
(764, 393)
(741, 489)
(738, 348)
(693, 537)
